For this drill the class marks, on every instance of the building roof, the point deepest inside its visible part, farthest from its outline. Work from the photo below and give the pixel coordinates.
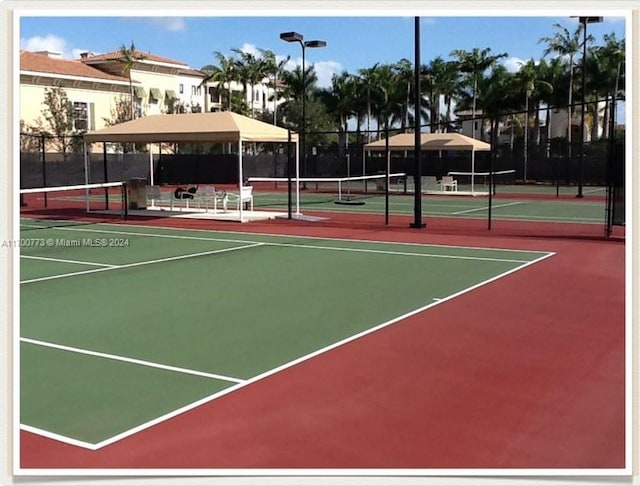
(146, 56)
(430, 141)
(41, 62)
(218, 127)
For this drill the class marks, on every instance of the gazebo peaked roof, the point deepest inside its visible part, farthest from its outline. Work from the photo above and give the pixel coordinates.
(223, 127)
(430, 141)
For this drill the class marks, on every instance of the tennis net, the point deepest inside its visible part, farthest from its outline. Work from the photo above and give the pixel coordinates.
(481, 180)
(316, 190)
(73, 202)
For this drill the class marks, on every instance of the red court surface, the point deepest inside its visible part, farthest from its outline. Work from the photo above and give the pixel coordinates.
(526, 372)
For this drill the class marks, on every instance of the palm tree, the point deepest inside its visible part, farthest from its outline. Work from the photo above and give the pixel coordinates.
(442, 84)
(565, 43)
(251, 71)
(274, 69)
(404, 74)
(368, 79)
(607, 74)
(529, 80)
(555, 73)
(128, 58)
(475, 62)
(296, 85)
(340, 102)
(222, 74)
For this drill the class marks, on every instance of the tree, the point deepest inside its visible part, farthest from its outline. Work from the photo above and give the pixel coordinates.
(403, 92)
(566, 43)
(273, 69)
(441, 82)
(475, 63)
(128, 58)
(606, 74)
(251, 71)
(223, 74)
(529, 80)
(121, 112)
(340, 103)
(58, 119)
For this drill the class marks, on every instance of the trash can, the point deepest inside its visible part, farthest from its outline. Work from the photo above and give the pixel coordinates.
(138, 193)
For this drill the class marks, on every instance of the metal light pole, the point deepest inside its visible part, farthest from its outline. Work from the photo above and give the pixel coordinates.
(584, 21)
(417, 201)
(299, 38)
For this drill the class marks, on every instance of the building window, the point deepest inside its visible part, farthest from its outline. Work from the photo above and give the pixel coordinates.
(181, 88)
(80, 116)
(213, 94)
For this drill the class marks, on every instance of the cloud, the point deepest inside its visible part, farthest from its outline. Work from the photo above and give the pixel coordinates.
(171, 24)
(513, 64)
(324, 70)
(249, 49)
(51, 43)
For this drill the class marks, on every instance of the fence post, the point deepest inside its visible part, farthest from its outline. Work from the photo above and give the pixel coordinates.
(43, 142)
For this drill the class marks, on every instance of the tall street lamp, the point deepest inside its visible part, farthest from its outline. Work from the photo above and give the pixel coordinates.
(584, 21)
(295, 37)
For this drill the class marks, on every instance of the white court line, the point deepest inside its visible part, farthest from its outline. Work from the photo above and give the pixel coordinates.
(400, 253)
(484, 208)
(138, 264)
(278, 235)
(335, 248)
(60, 438)
(61, 260)
(290, 364)
(140, 362)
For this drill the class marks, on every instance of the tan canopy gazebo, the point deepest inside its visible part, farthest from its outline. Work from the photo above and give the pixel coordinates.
(218, 127)
(430, 141)
(433, 141)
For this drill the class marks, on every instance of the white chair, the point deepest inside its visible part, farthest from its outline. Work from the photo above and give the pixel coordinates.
(429, 183)
(245, 196)
(157, 198)
(180, 197)
(448, 183)
(210, 198)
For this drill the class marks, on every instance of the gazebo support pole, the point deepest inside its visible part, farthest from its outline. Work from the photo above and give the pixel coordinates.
(289, 174)
(297, 179)
(151, 177)
(240, 205)
(86, 173)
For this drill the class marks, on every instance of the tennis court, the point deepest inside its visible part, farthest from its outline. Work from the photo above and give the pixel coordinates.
(123, 326)
(506, 207)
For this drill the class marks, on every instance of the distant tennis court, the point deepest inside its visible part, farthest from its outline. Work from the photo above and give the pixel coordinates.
(125, 326)
(511, 206)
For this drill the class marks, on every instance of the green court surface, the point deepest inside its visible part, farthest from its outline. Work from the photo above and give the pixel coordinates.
(123, 326)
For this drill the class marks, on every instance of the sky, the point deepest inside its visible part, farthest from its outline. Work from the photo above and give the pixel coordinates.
(353, 42)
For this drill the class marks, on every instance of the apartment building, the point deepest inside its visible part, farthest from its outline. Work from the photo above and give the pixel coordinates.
(94, 83)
